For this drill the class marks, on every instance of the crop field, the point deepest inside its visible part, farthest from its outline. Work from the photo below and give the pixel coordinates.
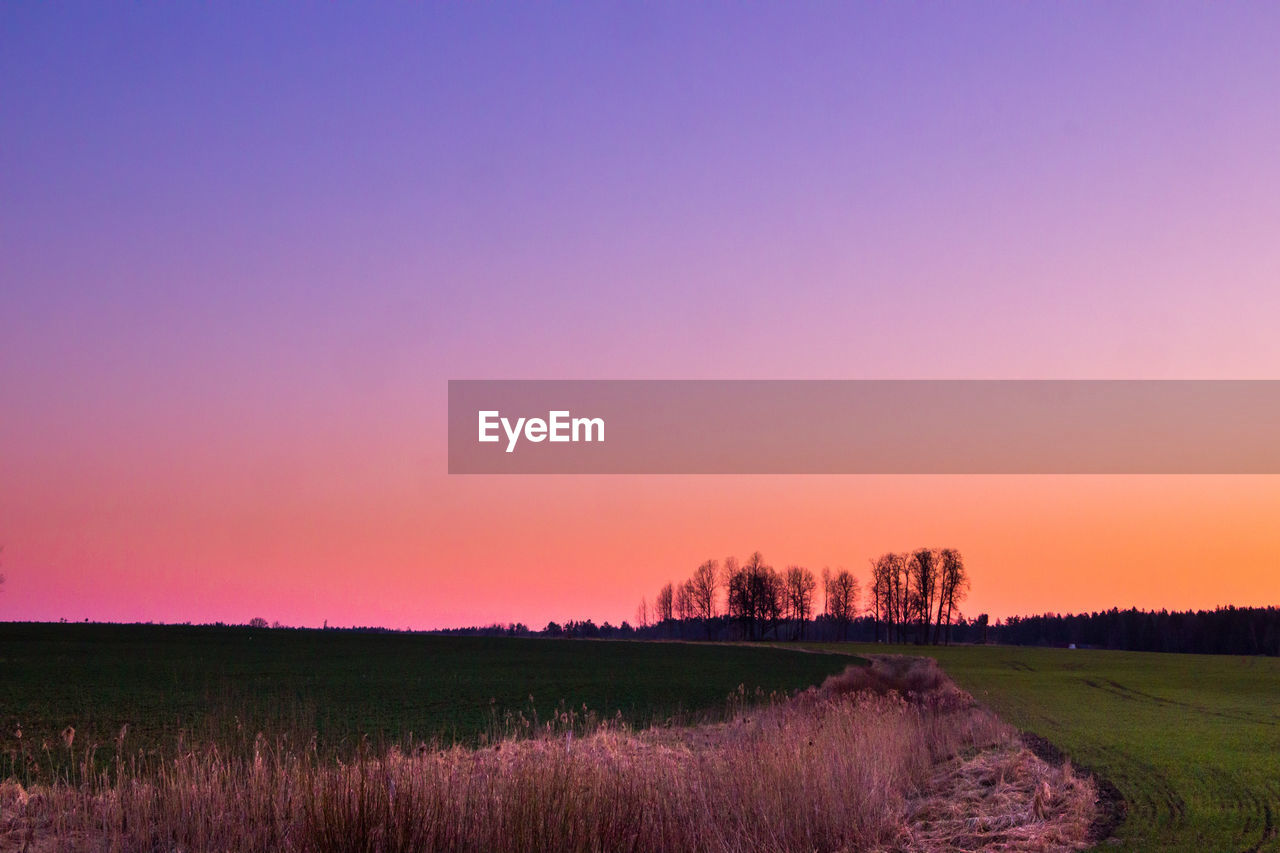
(1192, 742)
(887, 754)
(223, 685)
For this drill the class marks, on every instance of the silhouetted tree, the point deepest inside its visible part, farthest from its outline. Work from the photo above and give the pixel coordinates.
(913, 595)
(923, 568)
(684, 602)
(702, 586)
(892, 580)
(773, 599)
(800, 586)
(842, 600)
(881, 601)
(665, 604)
(755, 595)
(954, 586)
(765, 594)
(735, 585)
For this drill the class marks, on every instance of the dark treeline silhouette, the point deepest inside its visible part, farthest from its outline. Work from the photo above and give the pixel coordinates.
(916, 596)
(759, 603)
(1227, 630)
(912, 597)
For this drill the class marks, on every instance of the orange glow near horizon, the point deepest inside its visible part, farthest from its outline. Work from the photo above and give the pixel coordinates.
(430, 551)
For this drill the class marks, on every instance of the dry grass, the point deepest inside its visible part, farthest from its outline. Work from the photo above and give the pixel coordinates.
(891, 757)
(1001, 799)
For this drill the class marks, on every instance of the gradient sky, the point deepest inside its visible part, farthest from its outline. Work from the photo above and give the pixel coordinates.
(243, 247)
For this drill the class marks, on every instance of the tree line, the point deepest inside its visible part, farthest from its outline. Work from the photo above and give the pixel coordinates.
(914, 597)
(1224, 631)
(911, 597)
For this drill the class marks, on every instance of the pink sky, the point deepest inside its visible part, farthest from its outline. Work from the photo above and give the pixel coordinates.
(244, 250)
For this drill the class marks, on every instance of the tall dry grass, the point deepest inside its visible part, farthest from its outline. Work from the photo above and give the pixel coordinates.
(862, 763)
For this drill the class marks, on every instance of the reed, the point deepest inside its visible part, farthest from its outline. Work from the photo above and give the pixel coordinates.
(891, 756)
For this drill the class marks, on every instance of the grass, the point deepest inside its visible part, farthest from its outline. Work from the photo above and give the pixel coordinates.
(890, 756)
(173, 684)
(1192, 742)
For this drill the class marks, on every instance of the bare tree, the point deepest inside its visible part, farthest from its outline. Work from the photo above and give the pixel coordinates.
(919, 592)
(900, 566)
(842, 599)
(800, 586)
(880, 609)
(955, 587)
(826, 590)
(764, 594)
(729, 569)
(923, 569)
(755, 595)
(754, 592)
(892, 585)
(702, 586)
(914, 595)
(684, 606)
(738, 595)
(772, 599)
(666, 603)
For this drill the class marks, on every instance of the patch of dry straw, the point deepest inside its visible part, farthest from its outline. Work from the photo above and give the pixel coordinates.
(887, 757)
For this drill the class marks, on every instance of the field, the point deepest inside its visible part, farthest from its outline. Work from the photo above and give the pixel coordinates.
(887, 754)
(1192, 742)
(223, 685)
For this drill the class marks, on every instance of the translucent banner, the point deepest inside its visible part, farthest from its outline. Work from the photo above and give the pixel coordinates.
(864, 427)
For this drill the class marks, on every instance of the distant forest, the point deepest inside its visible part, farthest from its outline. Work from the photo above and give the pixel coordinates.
(912, 597)
(1225, 631)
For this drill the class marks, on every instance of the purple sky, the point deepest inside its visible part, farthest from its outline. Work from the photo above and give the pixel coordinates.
(253, 242)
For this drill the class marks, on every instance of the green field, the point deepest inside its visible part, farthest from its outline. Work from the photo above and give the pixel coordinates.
(1191, 741)
(223, 685)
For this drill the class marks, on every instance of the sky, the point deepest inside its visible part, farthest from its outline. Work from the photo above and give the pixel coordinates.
(244, 247)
